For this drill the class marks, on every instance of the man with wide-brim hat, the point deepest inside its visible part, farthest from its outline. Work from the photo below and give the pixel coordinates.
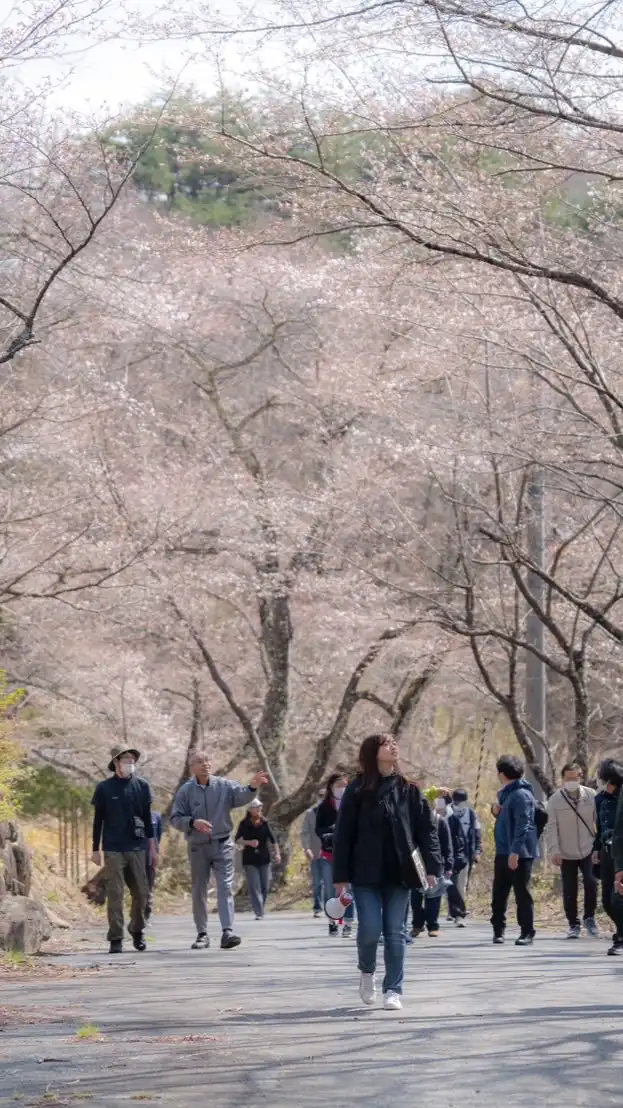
(122, 823)
(117, 751)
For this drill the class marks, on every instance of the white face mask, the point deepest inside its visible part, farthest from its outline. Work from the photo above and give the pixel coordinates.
(127, 769)
(339, 793)
(440, 805)
(460, 806)
(572, 786)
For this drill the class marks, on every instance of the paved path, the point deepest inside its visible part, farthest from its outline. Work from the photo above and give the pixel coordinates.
(278, 1022)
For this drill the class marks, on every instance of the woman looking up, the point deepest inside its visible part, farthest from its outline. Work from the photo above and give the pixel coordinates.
(382, 819)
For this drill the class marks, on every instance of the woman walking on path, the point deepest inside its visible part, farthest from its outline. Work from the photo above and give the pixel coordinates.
(257, 839)
(382, 819)
(326, 818)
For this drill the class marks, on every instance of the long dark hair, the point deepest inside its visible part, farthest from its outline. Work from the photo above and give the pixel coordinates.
(333, 777)
(368, 759)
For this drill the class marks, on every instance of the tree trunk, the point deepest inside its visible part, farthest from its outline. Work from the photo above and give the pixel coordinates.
(193, 743)
(274, 611)
(581, 713)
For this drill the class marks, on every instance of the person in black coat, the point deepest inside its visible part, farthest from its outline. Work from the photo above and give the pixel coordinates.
(606, 805)
(258, 840)
(382, 819)
(426, 908)
(460, 861)
(326, 819)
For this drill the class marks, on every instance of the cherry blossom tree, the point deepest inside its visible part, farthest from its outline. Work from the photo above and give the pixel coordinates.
(61, 175)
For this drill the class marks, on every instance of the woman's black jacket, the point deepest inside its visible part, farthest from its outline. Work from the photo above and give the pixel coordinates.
(358, 846)
(326, 817)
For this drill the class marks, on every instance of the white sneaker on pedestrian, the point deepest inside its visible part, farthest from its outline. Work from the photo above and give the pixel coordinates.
(367, 988)
(460, 923)
(392, 1002)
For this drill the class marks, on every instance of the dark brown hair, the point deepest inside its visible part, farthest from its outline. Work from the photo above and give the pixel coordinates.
(568, 766)
(368, 759)
(333, 777)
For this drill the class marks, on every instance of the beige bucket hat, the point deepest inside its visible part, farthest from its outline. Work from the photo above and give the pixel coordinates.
(117, 751)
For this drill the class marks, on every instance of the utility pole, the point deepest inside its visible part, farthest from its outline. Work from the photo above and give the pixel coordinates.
(536, 670)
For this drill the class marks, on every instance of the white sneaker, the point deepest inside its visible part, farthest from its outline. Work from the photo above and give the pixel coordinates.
(367, 988)
(460, 923)
(392, 1002)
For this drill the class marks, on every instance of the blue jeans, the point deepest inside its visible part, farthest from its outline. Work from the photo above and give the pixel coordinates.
(382, 910)
(328, 887)
(317, 885)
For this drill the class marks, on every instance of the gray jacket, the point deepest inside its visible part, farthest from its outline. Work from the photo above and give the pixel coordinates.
(213, 802)
(309, 838)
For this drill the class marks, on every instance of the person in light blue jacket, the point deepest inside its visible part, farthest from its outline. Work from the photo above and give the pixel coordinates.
(516, 847)
(202, 810)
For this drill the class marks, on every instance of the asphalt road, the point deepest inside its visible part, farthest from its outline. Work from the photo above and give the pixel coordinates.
(278, 1021)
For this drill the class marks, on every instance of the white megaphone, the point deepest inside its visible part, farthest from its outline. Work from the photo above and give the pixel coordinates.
(337, 905)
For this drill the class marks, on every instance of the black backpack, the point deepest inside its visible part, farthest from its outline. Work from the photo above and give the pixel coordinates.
(541, 817)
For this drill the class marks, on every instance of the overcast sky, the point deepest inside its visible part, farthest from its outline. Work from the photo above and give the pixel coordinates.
(93, 78)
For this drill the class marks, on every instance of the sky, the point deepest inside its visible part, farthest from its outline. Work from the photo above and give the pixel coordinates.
(105, 76)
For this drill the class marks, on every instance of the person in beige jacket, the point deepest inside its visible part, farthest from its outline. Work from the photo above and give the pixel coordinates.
(570, 833)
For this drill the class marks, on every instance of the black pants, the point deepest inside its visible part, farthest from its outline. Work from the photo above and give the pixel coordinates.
(456, 904)
(425, 911)
(613, 904)
(505, 879)
(569, 870)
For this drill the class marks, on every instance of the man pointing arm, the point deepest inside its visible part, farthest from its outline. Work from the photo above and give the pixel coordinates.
(202, 810)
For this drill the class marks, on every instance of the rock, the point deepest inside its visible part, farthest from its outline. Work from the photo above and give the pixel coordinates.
(23, 868)
(15, 863)
(9, 833)
(8, 871)
(24, 925)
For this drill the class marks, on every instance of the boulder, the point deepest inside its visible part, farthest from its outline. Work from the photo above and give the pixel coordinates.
(23, 868)
(8, 871)
(15, 863)
(24, 925)
(9, 833)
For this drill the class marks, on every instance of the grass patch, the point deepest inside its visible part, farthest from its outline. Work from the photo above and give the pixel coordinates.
(16, 960)
(90, 1031)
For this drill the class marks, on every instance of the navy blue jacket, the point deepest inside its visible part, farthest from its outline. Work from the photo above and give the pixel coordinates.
(472, 833)
(445, 842)
(515, 827)
(606, 806)
(117, 802)
(459, 843)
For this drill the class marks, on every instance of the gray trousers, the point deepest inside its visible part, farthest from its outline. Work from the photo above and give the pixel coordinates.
(258, 881)
(460, 880)
(205, 857)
